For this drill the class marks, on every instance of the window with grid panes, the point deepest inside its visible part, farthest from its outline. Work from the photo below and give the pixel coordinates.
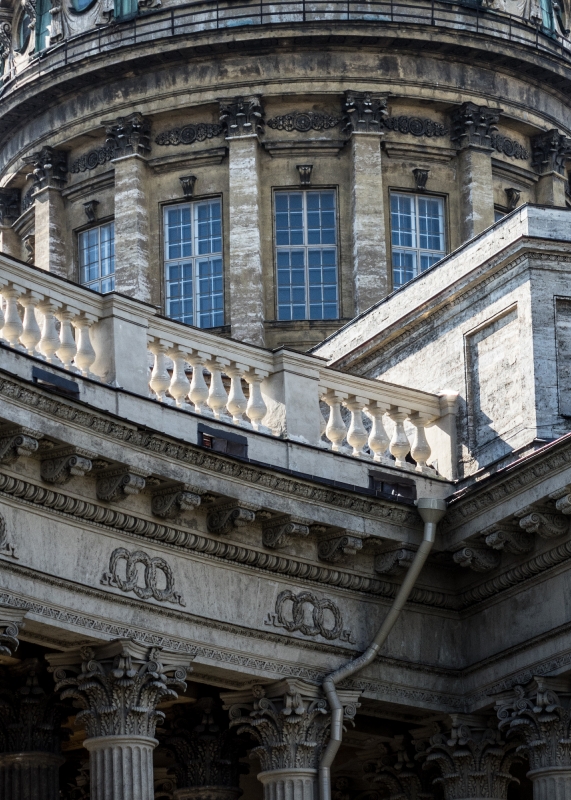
(97, 257)
(306, 255)
(193, 263)
(417, 234)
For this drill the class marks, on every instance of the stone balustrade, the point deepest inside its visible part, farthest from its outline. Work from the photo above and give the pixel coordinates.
(126, 344)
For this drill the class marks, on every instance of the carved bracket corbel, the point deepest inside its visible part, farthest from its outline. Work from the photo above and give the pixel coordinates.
(65, 463)
(169, 501)
(276, 531)
(117, 484)
(222, 518)
(543, 522)
(17, 442)
(333, 547)
(480, 559)
(394, 562)
(512, 540)
(562, 499)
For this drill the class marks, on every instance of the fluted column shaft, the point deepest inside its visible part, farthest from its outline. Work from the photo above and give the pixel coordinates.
(289, 784)
(30, 776)
(121, 767)
(551, 783)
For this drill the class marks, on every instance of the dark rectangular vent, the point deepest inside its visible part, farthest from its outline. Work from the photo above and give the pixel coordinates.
(222, 442)
(54, 383)
(391, 486)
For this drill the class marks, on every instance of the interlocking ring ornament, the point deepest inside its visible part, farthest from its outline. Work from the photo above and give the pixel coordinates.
(131, 581)
(297, 622)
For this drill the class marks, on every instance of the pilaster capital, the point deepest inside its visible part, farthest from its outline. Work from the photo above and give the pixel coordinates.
(363, 112)
(11, 621)
(392, 765)
(472, 758)
(549, 151)
(207, 752)
(473, 125)
(118, 685)
(49, 168)
(242, 116)
(130, 135)
(539, 715)
(289, 719)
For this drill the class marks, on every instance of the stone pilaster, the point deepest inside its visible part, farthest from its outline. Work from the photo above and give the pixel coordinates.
(207, 754)
(130, 138)
(549, 153)
(30, 734)
(49, 175)
(471, 130)
(539, 717)
(472, 758)
(117, 687)
(290, 721)
(242, 119)
(364, 113)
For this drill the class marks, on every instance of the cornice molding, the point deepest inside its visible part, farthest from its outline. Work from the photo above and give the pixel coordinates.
(191, 455)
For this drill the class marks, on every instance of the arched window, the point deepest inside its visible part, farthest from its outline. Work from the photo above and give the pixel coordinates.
(547, 16)
(23, 32)
(79, 6)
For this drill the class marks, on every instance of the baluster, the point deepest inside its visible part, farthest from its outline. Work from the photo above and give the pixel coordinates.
(356, 435)
(85, 353)
(68, 349)
(335, 429)
(198, 388)
(13, 327)
(50, 342)
(256, 408)
(217, 397)
(378, 439)
(179, 385)
(237, 402)
(160, 378)
(399, 445)
(31, 334)
(420, 449)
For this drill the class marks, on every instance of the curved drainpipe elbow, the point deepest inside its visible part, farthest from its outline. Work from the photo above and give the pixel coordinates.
(431, 510)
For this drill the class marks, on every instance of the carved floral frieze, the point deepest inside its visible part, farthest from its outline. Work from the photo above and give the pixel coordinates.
(416, 126)
(95, 158)
(310, 615)
(188, 134)
(131, 582)
(304, 121)
(509, 147)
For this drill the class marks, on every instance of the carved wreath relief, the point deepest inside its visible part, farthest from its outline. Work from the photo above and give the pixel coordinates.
(140, 574)
(309, 615)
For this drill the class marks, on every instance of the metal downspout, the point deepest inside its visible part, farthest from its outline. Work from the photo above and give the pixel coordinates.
(431, 510)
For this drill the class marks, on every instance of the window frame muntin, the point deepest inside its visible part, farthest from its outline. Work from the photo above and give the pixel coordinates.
(163, 207)
(305, 189)
(84, 229)
(397, 190)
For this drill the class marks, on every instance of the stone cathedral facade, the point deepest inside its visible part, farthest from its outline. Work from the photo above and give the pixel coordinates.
(285, 400)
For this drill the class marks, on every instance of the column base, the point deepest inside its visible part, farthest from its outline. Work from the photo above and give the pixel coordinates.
(30, 776)
(121, 767)
(207, 793)
(289, 784)
(551, 783)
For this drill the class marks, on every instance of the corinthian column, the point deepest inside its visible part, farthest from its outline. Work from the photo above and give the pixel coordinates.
(118, 686)
(290, 721)
(472, 758)
(539, 716)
